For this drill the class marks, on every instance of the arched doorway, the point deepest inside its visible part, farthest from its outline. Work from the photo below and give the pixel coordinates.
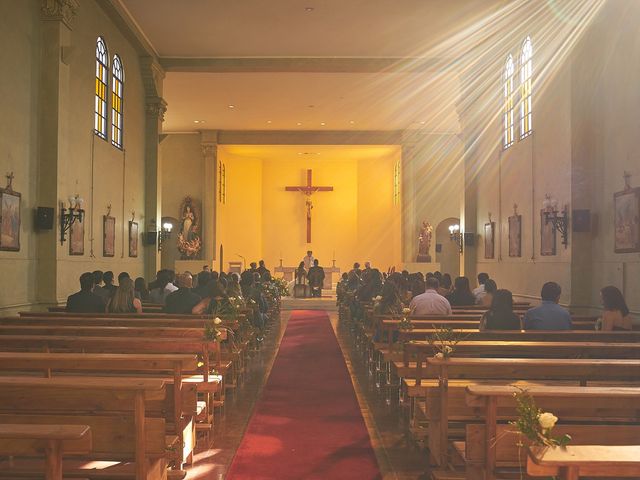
(447, 251)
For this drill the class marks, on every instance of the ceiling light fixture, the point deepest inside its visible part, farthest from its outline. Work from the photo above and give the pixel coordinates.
(299, 123)
(198, 121)
(422, 122)
(351, 122)
(232, 106)
(268, 121)
(322, 123)
(309, 9)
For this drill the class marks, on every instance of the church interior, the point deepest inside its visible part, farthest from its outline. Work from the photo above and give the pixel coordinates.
(390, 239)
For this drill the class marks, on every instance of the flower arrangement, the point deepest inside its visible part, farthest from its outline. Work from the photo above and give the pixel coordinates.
(535, 424)
(281, 286)
(405, 324)
(444, 342)
(211, 331)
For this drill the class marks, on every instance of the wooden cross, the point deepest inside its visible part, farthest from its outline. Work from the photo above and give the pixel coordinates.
(308, 190)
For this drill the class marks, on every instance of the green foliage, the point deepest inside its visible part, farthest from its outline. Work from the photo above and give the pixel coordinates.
(536, 425)
(444, 341)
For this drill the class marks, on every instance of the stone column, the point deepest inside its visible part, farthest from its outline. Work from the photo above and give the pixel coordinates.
(155, 110)
(209, 143)
(53, 94)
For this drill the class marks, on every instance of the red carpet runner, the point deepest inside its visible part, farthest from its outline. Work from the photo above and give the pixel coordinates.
(307, 423)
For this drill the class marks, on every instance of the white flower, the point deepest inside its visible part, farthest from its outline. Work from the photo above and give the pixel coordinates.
(439, 355)
(448, 349)
(232, 299)
(547, 420)
(217, 321)
(406, 311)
(378, 298)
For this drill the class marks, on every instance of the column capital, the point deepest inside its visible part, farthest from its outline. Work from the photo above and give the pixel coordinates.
(156, 107)
(59, 10)
(209, 149)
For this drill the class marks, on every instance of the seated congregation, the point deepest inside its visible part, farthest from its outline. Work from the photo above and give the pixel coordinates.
(135, 376)
(493, 388)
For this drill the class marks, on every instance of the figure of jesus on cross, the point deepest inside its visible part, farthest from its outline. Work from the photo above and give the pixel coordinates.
(308, 190)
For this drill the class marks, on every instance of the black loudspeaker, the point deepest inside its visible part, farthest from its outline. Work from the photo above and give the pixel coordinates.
(469, 239)
(150, 238)
(44, 218)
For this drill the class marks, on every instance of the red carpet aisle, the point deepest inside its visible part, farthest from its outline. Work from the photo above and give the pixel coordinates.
(307, 424)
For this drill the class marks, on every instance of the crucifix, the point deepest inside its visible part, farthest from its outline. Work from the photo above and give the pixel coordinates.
(308, 190)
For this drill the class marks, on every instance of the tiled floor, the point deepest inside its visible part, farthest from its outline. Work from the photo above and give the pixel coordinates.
(396, 457)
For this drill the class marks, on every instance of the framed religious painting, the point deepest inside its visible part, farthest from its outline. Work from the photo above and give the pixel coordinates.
(626, 206)
(489, 240)
(515, 236)
(133, 239)
(547, 237)
(109, 239)
(76, 238)
(10, 219)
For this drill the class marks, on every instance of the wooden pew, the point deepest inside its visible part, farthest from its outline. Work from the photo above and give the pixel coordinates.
(113, 315)
(51, 440)
(575, 461)
(494, 444)
(173, 369)
(446, 380)
(526, 335)
(519, 349)
(119, 412)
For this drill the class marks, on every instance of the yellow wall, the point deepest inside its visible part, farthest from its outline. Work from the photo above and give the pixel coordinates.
(357, 220)
(240, 218)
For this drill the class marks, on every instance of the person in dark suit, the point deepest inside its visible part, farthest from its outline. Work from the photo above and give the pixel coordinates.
(85, 301)
(316, 279)
(182, 300)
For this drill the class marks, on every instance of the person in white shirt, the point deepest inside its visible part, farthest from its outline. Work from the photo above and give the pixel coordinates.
(479, 292)
(308, 260)
(430, 302)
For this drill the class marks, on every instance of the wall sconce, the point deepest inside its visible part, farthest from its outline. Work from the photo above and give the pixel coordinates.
(70, 216)
(456, 236)
(559, 220)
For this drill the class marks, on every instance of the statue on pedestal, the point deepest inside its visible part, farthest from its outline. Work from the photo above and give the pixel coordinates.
(424, 245)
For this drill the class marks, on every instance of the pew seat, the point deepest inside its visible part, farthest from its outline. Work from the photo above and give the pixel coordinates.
(575, 461)
(53, 441)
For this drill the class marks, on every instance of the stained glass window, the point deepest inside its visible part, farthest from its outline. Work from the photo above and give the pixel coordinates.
(525, 87)
(508, 126)
(117, 87)
(102, 79)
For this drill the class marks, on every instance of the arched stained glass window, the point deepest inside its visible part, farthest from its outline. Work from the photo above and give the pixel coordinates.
(117, 88)
(508, 126)
(102, 79)
(525, 87)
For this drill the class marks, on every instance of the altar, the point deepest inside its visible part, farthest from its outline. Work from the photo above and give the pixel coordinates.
(288, 274)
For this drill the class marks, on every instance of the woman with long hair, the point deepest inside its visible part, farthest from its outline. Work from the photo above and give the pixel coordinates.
(124, 300)
(616, 313)
(445, 285)
(490, 289)
(141, 290)
(462, 295)
(500, 316)
(216, 299)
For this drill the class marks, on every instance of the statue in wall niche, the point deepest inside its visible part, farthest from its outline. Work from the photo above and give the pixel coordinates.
(424, 243)
(189, 241)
